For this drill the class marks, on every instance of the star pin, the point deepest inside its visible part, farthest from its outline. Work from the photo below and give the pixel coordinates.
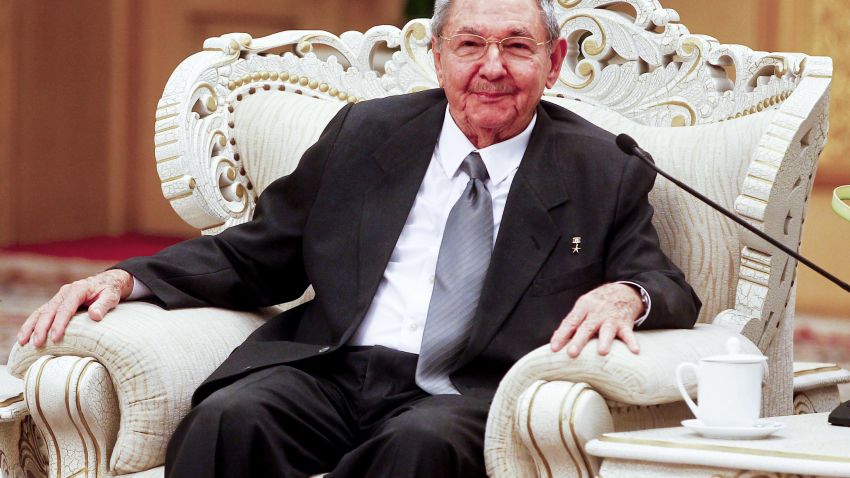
(576, 244)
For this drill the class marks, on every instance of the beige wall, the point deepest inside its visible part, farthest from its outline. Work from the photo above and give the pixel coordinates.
(80, 82)
(826, 241)
(55, 138)
(7, 200)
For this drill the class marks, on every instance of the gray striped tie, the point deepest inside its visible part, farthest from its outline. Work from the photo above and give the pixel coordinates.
(461, 266)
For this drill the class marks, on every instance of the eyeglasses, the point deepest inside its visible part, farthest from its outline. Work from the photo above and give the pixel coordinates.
(470, 46)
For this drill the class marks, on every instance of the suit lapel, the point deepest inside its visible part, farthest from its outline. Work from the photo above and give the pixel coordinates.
(403, 160)
(526, 236)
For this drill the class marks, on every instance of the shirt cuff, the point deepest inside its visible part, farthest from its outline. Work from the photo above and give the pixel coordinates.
(141, 291)
(644, 297)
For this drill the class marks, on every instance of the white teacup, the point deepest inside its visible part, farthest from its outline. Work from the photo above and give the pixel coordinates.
(728, 387)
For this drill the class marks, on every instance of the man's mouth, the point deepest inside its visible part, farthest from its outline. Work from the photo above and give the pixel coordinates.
(490, 94)
(492, 90)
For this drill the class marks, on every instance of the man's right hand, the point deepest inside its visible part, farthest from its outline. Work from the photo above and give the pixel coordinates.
(101, 293)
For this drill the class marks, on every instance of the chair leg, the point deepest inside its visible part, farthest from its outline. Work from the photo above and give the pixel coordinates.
(74, 405)
(558, 446)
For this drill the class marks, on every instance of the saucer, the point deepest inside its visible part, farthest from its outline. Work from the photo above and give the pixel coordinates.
(762, 429)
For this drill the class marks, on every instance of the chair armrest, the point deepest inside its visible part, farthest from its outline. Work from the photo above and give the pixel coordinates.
(155, 359)
(643, 379)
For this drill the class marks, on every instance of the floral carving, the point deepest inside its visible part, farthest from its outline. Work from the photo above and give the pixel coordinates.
(803, 404)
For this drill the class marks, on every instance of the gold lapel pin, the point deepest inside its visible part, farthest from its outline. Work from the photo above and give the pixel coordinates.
(576, 244)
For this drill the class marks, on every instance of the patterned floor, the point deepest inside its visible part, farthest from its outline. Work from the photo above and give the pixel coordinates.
(27, 280)
(823, 339)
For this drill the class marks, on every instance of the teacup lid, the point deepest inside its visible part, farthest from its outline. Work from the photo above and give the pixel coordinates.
(734, 355)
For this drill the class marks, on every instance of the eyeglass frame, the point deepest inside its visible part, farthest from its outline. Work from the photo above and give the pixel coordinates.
(497, 42)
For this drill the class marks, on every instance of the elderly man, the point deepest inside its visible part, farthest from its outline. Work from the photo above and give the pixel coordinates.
(446, 233)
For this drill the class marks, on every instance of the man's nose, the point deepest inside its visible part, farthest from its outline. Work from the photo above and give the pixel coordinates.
(494, 62)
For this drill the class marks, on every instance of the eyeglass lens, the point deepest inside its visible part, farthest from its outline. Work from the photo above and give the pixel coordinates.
(467, 45)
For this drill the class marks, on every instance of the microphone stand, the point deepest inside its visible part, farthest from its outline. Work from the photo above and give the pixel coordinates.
(629, 146)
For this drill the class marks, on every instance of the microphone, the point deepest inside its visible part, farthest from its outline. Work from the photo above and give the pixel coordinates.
(629, 146)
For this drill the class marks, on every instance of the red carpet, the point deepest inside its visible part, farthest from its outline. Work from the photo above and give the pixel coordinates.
(99, 248)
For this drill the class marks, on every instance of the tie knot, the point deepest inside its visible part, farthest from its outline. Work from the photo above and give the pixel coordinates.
(474, 167)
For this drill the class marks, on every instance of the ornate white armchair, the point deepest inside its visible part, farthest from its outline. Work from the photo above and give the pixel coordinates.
(744, 127)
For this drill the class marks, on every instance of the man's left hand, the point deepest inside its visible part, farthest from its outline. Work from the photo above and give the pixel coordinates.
(608, 311)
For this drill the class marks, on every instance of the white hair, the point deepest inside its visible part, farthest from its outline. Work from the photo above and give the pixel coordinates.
(442, 10)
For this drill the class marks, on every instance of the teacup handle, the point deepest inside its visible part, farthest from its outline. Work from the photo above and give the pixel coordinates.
(681, 368)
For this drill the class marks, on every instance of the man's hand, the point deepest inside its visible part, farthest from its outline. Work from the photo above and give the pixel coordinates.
(610, 311)
(101, 293)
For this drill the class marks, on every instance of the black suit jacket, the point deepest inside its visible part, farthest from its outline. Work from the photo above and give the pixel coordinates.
(335, 220)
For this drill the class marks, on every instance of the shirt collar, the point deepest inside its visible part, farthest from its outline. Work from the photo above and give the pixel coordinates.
(501, 158)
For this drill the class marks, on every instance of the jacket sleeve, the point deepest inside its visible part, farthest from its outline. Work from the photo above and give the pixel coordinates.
(255, 264)
(634, 254)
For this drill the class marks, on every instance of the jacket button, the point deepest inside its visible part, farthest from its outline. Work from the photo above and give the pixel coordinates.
(324, 349)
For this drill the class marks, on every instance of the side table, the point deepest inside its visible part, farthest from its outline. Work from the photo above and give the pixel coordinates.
(808, 446)
(22, 449)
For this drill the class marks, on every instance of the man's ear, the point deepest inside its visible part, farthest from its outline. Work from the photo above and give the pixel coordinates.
(437, 61)
(556, 59)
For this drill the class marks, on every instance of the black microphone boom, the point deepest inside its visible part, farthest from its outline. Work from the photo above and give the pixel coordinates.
(630, 147)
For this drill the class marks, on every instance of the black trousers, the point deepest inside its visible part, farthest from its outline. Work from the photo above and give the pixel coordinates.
(354, 413)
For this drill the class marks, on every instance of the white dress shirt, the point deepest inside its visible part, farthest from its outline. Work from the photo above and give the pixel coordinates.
(396, 317)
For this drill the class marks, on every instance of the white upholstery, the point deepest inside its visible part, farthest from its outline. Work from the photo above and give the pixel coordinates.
(231, 120)
(642, 379)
